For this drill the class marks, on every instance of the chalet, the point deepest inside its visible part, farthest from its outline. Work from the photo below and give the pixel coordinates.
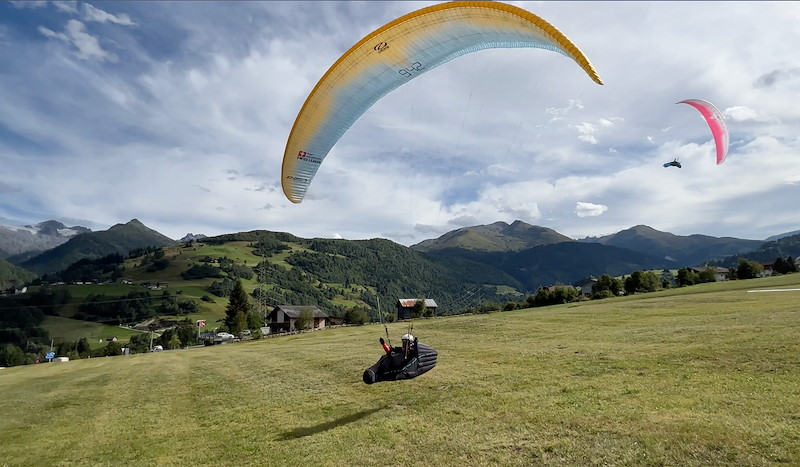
(720, 274)
(405, 307)
(586, 287)
(767, 269)
(283, 317)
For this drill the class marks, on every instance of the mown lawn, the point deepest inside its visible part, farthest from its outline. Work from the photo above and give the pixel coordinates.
(704, 375)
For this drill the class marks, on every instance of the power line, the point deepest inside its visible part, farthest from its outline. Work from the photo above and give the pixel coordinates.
(64, 304)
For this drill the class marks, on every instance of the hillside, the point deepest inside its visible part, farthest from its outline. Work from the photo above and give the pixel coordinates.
(565, 263)
(335, 275)
(353, 270)
(499, 236)
(688, 250)
(119, 239)
(780, 236)
(704, 375)
(768, 252)
(11, 275)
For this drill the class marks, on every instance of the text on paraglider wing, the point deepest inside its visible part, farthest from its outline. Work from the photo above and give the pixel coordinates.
(416, 66)
(299, 179)
(308, 157)
(381, 47)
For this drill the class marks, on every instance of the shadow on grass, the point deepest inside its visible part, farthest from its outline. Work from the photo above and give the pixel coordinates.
(312, 430)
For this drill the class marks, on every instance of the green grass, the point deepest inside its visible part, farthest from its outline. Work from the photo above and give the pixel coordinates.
(703, 375)
(508, 290)
(71, 330)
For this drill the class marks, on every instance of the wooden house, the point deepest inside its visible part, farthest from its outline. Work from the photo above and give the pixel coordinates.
(284, 317)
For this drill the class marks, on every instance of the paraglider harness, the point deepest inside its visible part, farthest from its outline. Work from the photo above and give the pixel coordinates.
(406, 362)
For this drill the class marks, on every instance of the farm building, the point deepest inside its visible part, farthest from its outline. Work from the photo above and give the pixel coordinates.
(405, 307)
(284, 317)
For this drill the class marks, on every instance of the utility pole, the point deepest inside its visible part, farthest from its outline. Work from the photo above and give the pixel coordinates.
(262, 297)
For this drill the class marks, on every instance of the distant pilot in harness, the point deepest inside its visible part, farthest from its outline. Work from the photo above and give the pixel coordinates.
(406, 362)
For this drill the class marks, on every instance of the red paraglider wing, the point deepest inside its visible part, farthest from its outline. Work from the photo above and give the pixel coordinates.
(716, 122)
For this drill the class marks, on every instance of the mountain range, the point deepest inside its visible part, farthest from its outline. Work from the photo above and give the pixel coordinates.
(527, 257)
(119, 239)
(679, 250)
(517, 255)
(661, 248)
(32, 239)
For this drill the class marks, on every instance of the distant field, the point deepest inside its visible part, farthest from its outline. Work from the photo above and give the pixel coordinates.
(233, 250)
(506, 290)
(698, 376)
(71, 330)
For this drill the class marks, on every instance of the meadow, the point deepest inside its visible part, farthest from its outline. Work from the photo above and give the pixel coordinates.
(702, 375)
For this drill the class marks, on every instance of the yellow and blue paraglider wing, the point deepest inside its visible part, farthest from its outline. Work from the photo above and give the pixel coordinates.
(393, 55)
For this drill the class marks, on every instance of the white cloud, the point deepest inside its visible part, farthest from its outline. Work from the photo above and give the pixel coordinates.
(792, 179)
(91, 13)
(50, 33)
(586, 128)
(29, 4)
(494, 135)
(573, 105)
(88, 46)
(742, 113)
(66, 6)
(583, 209)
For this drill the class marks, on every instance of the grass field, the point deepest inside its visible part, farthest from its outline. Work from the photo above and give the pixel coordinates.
(70, 330)
(704, 375)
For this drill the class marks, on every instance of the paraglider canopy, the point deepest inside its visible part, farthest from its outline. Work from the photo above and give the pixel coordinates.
(396, 53)
(716, 122)
(674, 163)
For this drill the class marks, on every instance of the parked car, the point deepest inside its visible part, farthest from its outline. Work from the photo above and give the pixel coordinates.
(245, 333)
(225, 335)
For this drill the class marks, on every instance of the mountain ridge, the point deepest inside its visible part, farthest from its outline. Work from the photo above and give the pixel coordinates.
(32, 238)
(682, 250)
(118, 239)
(498, 236)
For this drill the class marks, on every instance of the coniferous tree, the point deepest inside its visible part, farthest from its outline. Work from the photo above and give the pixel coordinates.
(780, 265)
(237, 310)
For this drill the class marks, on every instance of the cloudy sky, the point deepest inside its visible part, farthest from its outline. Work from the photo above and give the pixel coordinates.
(177, 114)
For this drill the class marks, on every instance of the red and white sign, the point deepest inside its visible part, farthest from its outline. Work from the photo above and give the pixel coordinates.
(201, 322)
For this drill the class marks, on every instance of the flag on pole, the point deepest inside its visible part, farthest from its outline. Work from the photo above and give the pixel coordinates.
(201, 323)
